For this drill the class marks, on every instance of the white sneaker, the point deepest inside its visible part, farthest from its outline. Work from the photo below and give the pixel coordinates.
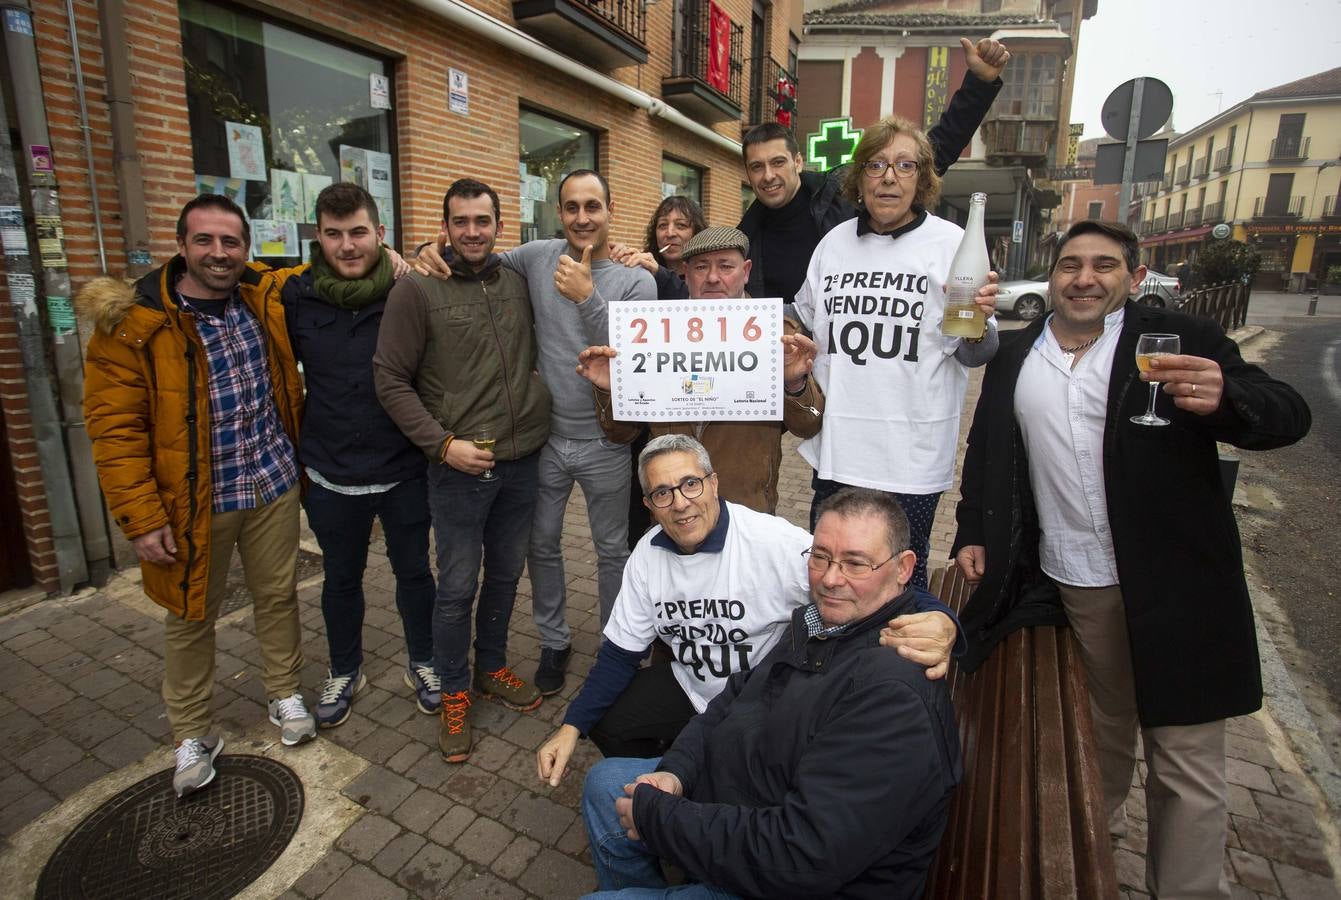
(195, 763)
(295, 722)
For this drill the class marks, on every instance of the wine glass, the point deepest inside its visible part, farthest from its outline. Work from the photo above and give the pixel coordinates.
(1149, 347)
(484, 439)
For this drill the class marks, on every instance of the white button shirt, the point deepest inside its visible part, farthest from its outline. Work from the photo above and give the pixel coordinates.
(1061, 413)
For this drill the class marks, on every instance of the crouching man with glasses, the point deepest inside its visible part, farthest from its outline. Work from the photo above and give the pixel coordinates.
(718, 582)
(824, 770)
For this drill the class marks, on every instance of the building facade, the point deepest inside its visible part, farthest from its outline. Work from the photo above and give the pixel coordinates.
(864, 59)
(146, 104)
(1081, 197)
(1270, 168)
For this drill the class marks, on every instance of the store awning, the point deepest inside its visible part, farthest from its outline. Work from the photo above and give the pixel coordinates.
(1187, 234)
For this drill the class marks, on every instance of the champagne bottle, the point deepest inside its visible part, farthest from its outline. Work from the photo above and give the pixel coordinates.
(968, 272)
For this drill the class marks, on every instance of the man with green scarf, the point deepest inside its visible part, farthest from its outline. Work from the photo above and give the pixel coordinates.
(358, 463)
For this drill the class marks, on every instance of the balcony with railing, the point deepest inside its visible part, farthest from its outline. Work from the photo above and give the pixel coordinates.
(1278, 207)
(1175, 221)
(1168, 180)
(1147, 227)
(1192, 217)
(1224, 158)
(1015, 140)
(1213, 212)
(1161, 222)
(1288, 148)
(689, 88)
(1331, 207)
(602, 33)
(1180, 176)
(1201, 168)
(771, 87)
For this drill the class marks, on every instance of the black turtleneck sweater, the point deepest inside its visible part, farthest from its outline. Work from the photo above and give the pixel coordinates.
(788, 237)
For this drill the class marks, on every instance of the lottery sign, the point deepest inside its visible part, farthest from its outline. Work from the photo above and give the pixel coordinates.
(697, 360)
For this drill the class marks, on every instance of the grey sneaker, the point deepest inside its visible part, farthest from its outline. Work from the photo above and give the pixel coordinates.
(195, 763)
(296, 724)
(336, 698)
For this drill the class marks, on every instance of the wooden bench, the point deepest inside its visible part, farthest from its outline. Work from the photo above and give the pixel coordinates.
(1027, 821)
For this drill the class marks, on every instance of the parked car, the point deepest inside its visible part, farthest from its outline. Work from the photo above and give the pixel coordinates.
(1028, 299)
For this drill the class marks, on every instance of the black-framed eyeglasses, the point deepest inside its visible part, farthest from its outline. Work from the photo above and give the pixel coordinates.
(903, 168)
(855, 570)
(689, 488)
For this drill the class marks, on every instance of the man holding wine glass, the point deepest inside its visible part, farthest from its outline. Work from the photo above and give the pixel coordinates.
(1086, 503)
(456, 370)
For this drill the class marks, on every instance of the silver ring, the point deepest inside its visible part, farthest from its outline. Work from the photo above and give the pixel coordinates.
(1194, 390)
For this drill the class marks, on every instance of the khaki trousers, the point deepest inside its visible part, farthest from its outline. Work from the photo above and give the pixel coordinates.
(1185, 790)
(267, 539)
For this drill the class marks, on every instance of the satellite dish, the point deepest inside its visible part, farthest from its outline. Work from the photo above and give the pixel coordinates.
(1156, 106)
(1220, 232)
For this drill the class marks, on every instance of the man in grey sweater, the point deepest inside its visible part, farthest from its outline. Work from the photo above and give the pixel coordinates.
(571, 281)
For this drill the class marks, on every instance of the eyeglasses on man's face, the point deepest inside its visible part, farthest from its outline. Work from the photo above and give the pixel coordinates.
(689, 488)
(903, 168)
(852, 569)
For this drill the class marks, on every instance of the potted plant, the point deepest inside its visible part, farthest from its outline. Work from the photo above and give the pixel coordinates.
(1332, 281)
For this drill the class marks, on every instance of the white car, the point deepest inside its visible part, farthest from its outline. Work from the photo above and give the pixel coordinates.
(1028, 299)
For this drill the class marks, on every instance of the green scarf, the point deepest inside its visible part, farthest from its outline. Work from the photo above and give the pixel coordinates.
(350, 293)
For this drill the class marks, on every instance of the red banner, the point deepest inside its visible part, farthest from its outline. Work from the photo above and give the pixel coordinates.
(719, 48)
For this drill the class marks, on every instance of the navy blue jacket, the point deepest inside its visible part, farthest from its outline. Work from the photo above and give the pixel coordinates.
(826, 770)
(345, 435)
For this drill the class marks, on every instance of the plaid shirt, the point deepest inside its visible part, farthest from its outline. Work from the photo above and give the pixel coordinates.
(251, 459)
(815, 626)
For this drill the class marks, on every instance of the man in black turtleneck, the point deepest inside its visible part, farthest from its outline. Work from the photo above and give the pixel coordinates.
(793, 209)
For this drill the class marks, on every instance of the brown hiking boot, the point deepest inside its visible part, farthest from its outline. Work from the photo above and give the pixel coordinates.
(507, 689)
(454, 733)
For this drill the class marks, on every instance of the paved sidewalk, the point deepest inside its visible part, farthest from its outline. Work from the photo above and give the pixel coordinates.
(385, 817)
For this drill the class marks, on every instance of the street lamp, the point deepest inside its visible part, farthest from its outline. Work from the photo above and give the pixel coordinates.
(1317, 176)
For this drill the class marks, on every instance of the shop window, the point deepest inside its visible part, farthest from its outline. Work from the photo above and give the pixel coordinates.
(1030, 87)
(277, 114)
(681, 180)
(550, 149)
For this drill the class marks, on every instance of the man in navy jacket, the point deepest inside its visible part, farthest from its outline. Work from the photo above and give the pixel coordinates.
(825, 769)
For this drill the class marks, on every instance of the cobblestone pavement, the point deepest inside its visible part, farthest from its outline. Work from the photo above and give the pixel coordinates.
(82, 717)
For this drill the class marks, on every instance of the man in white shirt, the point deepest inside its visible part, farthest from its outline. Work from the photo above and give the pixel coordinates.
(1074, 513)
(717, 582)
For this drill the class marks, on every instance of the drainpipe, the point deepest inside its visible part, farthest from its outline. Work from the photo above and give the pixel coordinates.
(78, 524)
(125, 150)
(519, 42)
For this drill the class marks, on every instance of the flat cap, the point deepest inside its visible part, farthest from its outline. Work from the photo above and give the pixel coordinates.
(710, 240)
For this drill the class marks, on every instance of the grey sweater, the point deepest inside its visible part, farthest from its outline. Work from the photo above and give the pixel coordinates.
(564, 328)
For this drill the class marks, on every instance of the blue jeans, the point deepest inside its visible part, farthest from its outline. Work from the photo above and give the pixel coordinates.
(474, 519)
(625, 868)
(342, 524)
(919, 508)
(602, 470)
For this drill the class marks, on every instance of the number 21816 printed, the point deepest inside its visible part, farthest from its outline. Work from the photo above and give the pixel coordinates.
(697, 360)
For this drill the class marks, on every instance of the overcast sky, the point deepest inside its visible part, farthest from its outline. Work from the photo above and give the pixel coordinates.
(1199, 47)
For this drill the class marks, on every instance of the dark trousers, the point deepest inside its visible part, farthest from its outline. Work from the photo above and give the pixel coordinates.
(646, 718)
(342, 524)
(476, 521)
(640, 517)
(919, 508)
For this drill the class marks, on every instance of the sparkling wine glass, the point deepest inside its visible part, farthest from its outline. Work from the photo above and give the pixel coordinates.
(484, 439)
(1148, 348)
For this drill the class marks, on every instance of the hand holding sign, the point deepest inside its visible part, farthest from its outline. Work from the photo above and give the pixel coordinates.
(593, 364)
(798, 357)
(573, 278)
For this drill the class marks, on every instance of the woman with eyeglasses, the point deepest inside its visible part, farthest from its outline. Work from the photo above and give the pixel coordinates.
(874, 297)
(675, 220)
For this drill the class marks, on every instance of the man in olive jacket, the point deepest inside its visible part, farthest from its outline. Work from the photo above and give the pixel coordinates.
(456, 357)
(192, 401)
(1074, 513)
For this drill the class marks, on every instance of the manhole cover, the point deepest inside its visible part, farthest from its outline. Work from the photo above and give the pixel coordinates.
(236, 594)
(144, 842)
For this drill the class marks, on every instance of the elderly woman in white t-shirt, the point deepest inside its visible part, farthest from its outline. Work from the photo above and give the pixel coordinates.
(874, 298)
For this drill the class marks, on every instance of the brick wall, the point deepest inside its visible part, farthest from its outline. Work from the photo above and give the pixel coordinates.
(22, 443)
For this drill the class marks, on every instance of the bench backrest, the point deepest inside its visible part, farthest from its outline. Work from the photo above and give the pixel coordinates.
(1028, 819)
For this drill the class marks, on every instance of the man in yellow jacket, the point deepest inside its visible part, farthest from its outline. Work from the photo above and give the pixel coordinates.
(192, 400)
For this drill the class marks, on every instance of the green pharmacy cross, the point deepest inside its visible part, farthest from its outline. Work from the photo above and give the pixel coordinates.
(833, 145)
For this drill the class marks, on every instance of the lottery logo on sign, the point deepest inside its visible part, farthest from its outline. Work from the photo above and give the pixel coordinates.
(697, 360)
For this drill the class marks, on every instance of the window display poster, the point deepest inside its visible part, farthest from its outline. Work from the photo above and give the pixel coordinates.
(286, 196)
(246, 151)
(234, 189)
(312, 186)
(271, 237)
(354, 165)
(379, 91)
(379, 185)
